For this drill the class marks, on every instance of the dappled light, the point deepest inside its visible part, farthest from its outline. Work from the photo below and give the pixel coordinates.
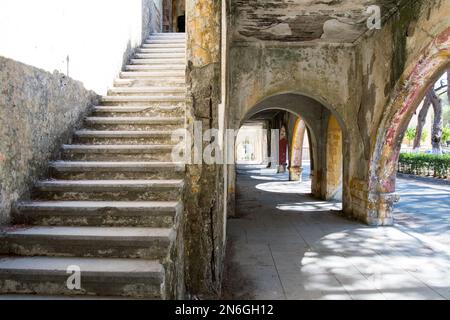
(288, 245)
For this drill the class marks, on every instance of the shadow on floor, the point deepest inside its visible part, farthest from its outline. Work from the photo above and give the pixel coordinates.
(284, 244)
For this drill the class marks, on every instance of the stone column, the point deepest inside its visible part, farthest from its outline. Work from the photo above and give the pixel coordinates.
(204, 185)
(274, 148)
(295, 173)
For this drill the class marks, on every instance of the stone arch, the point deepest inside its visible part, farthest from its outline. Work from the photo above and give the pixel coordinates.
(382, 176)
(296, 151)
(256, 104)
(315, 116)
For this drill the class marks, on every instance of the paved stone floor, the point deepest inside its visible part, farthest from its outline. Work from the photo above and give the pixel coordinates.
(286, 245)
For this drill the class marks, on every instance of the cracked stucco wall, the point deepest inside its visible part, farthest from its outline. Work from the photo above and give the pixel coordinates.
(308, 20)
(38, 111)
(204, 190)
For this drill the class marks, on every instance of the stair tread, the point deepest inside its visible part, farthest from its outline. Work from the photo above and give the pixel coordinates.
(114, 164)
(149, 89)
(135, 120)
(124, 133)
(170, 73)
(145, 205)
(109, 183)
(112, 147)
(86, 233)
(145, 97)
(130, 108)
(89, 266)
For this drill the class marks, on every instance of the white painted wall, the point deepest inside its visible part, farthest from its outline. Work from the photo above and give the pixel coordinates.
(93, 33)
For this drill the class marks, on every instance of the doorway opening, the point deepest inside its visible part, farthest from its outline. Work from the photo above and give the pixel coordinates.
(174, 16)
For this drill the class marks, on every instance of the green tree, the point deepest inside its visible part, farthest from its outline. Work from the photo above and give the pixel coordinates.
(410, 135)
(445, 135)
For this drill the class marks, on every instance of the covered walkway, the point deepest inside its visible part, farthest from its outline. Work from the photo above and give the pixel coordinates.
(286, 245)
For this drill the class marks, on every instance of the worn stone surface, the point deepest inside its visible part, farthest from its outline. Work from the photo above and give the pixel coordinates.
(204, 197)
(38, 112)
(307, 20)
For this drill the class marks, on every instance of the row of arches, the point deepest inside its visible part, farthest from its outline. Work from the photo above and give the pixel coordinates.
(290, 140)
(330, 141)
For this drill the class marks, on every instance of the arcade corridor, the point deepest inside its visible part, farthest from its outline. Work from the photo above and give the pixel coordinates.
(285, 245)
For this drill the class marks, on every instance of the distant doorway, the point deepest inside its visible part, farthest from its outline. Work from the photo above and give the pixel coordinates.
(181, 23)
(174, 17)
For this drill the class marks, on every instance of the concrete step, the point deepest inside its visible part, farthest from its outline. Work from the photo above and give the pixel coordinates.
(164, 75)
(117, 152)
(168, 53)
(109, 170)
(168, 34)
(164, 45)
(143, 82)
(99, 277)
(151, 90)
(134, 123)
(108, 190)
(97, 213)
(155, 67)
(160, 53)
(99, 242)
(143, 99)
(169, 41)
(169, 110)
(164, 62)
(107, 137)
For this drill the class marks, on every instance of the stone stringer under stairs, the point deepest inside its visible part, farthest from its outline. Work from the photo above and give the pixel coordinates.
(113, 201)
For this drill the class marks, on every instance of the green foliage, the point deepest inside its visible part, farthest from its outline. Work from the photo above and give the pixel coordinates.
(446, 116)
(445, 135)
(424, 136)
(421, 164)
(410, 135)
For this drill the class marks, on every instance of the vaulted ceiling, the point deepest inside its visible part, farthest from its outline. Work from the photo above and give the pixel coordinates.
(306, 20)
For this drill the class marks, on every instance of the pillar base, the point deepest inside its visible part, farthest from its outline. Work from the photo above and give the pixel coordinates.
(381, 208)
(295, 173)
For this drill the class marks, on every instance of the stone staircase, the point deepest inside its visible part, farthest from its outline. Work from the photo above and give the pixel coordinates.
(112, 203)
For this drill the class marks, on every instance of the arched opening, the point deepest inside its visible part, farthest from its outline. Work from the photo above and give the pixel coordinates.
(423, 179)
(393, 129)
(297, 150)
(174, 16)
(281, 201)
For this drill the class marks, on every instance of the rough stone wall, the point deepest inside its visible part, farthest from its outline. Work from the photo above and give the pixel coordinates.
(152, 17)
(38, 111)
(204, 196)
